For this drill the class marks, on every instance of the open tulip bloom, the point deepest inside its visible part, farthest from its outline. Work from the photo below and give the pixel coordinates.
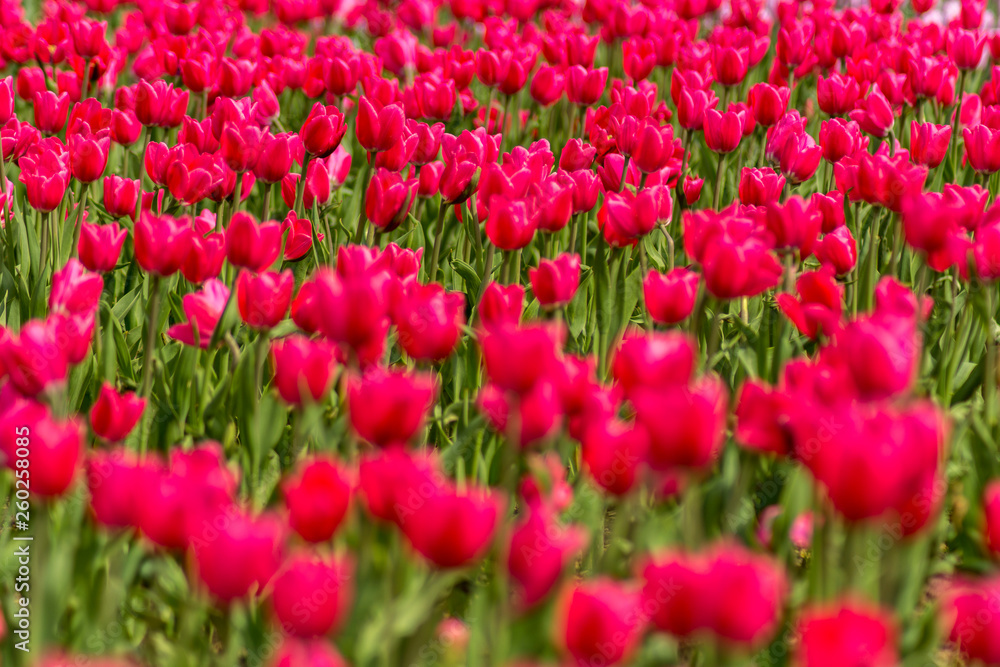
(428, 332)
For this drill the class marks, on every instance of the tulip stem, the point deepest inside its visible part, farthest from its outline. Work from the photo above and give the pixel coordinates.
(955, 120)
(621, 185)
(574, 222)
(990, 372)
(152, 317)
(142, 172)
(267, 202)
(719, 170)
(84, 200)
(438, 238)
(359, 232)
(301, 189)
(670, 247)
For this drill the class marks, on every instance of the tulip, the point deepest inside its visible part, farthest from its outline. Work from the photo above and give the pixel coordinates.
(547, 85)
(555, 282)
(613, 452)
(692, 189)
(539, 551)
(125, 127)
(501, 305)
(556, 193)
(838, 250)
(723, 131)
(760, 186)
(33, 359)
(625, 217)
(929, 143)
(511, 223)
(160, 104)
(874, 114)
(117, 482)
(598, 623)
(56, 447)
(251, 245)
(982, 148)
(243, 556)
(768, 103)
(75, 290)
(379, 130)
(576, 154)
(307, 653)
(448, 527)
(88, 156)
(203, 310)
(838, 94)
(969, 612)
(386, 478)
(848, 633)
(654, 360)
(50, 111)
(840, 138)
(388, 199)
(965, 48)
(205, 257)
(991, 508)
(6, 99)
(429, 322)
(762, 415)
(819, 305)
(670, 297)
(585, 86)
(161, 243)
(241, 146)
(100, 246)
(46, 177)
(120, 196)
(264, 298)
(311, 596)
(538, 412)
(114, 415)
(537, 345)
(275, 158)
(694, 439)
(428, 142)
(654, 147)
(317, 496)
(730, 64)
(303, 369)
(390, 406)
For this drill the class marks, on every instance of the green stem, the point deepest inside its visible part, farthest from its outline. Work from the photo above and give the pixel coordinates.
(152, 322)
(438, 239)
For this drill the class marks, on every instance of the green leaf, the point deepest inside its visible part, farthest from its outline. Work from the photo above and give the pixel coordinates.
(468, 274)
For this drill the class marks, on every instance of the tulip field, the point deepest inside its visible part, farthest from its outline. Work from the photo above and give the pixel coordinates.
(499, 333)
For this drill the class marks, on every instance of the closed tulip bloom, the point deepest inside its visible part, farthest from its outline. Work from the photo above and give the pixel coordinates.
(848, 633)
(251, 245)
(929, 143)
(760, 186)
(241, 146)
(379, 129)
(264, 298)
(670, 297)
(275, 158)
(125, 127)
(538, 412)
(626, 217)
(303, 369)
(75, 290)
(597, 622)
(654, 147)
(768, 103)
(88, 156)
(390, 406)
(969, 613)
(33, 359)
(388, 199)
(692, 189)
(323, 130)
(243, 557)
(50, 111)
(205, 257)
(838, 94)
(840, 138)
(692, 441)
(557, 194)
(613, 452)
(577, 154)
(539, 551)
(653, 360)
(45, 177)
(448, 527)
(501, 305)
(311, 596)
(120, 196)
(723, 131)
(547, 85)
(730, 64)
(114, 415)
(317, 496)
(429, 322)
(982, 148)
(793, 224)
(554, 282)
(117, 482)
(6, 99)
(965, 48)
(585, 86)
(874, 114)
(799, 157)
(161, 243)
(316, 652)
(838, 250)
(428, 143)
(511, 223)
(100, 246)
(56, 447)
(536, 344)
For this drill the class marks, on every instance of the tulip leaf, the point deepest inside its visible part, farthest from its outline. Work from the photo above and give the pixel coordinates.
(125, 304)
(468, 274)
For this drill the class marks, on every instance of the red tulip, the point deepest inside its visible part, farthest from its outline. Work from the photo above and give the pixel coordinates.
(670, 297)
(311, 596)
(537, 345)
(50, 111)
(388, 199)
(429, 321)
(203, 310)
(982, 148)
(100, 246)
(929, 143)
(264, 298)
(874, 114)
(303, 369)
(114, 415)
(768, 103)
(554, 282)
(120, 196)
(838, 250)
(251, 245)
(760, 186)
(88, 156)
(511, 223)
(585, 86)
(243, 556)
(547, 85)
(161, 243)
(118, 482)
(539, 551)
(613, 452)
(317, 496)
(390, 406)
(379, 129)
(599, 622)
(723, 131)
(501, 305)
(448, 527)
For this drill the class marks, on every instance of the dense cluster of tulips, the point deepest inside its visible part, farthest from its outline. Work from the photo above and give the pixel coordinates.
(406, 332)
